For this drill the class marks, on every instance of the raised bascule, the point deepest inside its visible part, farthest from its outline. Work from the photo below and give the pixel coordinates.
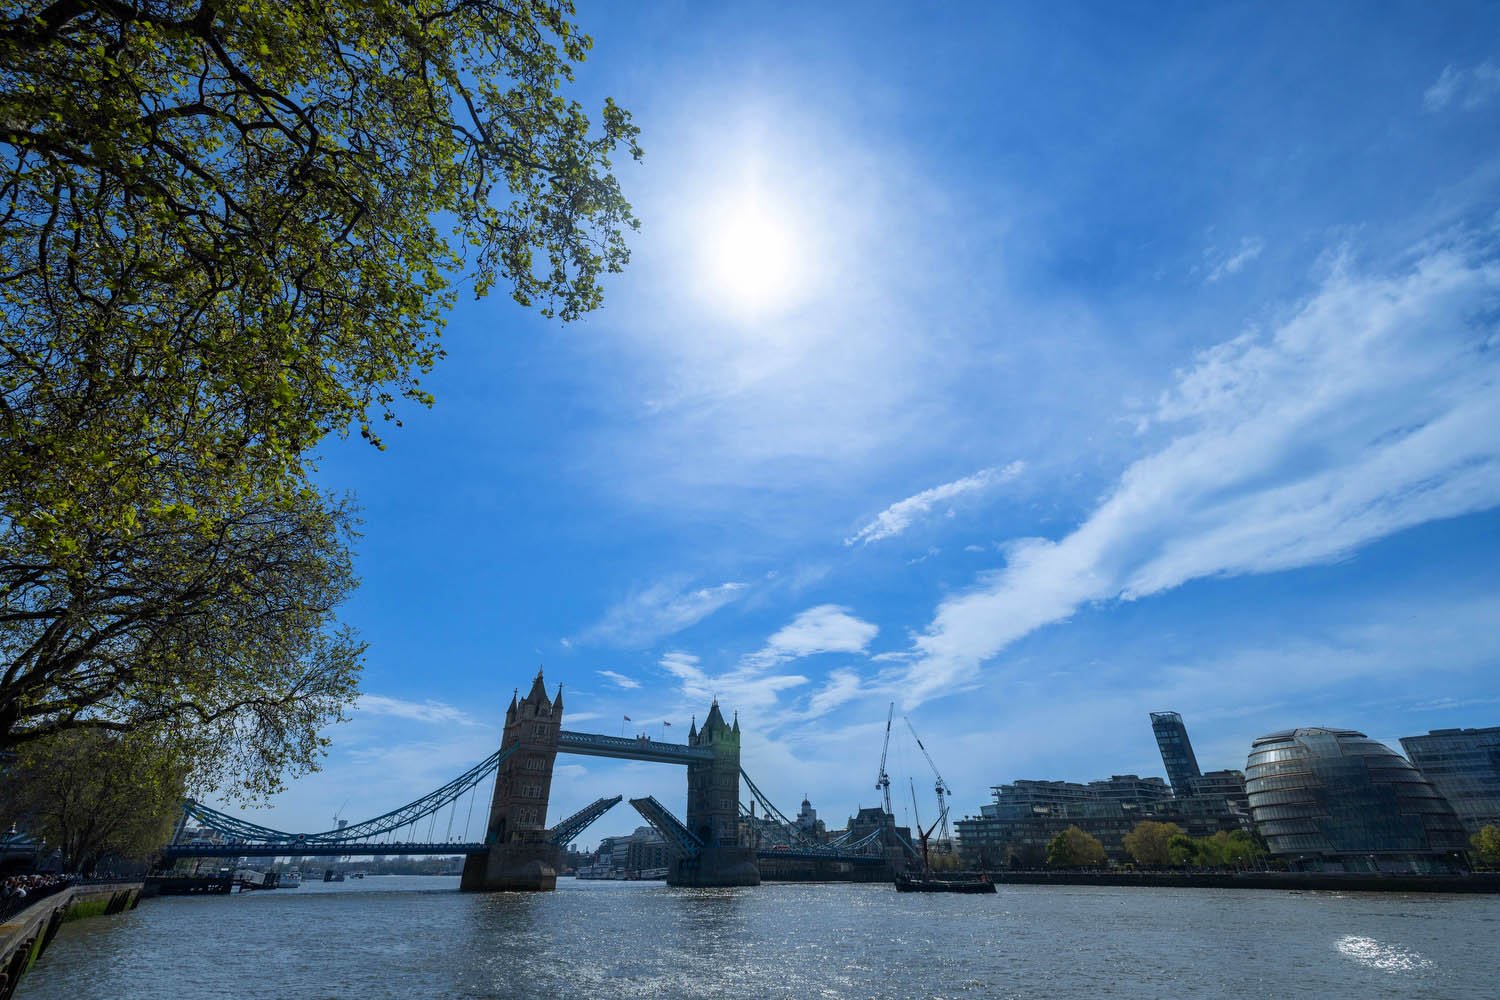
(518, 855)
(720, 841)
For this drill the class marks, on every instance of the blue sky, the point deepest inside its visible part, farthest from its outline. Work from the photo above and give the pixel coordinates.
(1034, 367)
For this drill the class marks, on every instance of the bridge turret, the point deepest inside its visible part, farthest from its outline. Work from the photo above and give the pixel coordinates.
(713, 809)
(519, 855)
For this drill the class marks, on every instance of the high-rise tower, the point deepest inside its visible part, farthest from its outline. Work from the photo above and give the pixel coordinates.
(1176, 752)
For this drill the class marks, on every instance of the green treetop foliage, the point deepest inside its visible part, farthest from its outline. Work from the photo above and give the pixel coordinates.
(1486, 844)
(1223, 849)
(226, 230)
(230, 228)
(1148, 842)
(1074, 848)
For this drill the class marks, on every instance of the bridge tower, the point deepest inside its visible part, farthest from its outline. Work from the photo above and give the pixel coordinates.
(713, 810)
(519, 855)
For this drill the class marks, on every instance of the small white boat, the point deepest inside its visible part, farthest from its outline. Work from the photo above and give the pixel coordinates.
(290, 879)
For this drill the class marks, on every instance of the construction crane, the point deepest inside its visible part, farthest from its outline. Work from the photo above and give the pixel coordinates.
(883, 782)
(943, 791)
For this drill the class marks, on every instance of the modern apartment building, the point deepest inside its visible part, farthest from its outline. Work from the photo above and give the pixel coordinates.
(1464, 765)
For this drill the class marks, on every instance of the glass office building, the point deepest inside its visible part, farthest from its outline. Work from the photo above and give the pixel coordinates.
(1176, 751)
(1336, 800)
(1464, 765)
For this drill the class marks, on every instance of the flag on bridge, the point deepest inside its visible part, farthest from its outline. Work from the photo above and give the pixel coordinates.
(627, 718)
(666, 723)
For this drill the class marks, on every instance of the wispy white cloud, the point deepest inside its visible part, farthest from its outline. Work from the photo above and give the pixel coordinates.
(841, 686)
(619, 680)
(1223, 264)
(660, 610)
(827, 628)
(755, 684)
(1375, 407)
(1466, 88)
(899, 516)
(435, 712)
(746, 688)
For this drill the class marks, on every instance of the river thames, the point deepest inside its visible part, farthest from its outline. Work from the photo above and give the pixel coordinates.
(411, 937)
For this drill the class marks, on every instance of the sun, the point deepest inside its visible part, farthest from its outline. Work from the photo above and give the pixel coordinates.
(753, 255)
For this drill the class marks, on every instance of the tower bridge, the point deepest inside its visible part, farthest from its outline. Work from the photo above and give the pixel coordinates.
(710, 846)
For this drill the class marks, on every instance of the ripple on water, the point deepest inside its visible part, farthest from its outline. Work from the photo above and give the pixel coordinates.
(1385, 957)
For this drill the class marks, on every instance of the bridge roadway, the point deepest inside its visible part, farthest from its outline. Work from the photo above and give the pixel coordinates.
(293, 849)
(630, 748)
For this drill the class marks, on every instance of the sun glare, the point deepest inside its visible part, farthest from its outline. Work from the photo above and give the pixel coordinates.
(753, 257)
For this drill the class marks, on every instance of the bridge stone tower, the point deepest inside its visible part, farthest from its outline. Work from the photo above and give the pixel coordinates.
(713, 811)
(520, 857)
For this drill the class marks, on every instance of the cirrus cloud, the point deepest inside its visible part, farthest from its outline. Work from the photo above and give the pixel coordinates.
(1374, 408)
(900, 515)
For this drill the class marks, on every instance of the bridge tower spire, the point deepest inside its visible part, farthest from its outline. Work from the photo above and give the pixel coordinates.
(519, 855)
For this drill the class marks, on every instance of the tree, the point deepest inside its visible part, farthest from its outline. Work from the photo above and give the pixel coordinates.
(1226, 848)
(1486, 845)
(1073, 848)
(225, 232)
(1184, 850)
(94, 794)
(1148, 842)
(217, 627)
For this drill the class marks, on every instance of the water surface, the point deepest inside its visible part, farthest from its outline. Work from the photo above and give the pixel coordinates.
(411, 937)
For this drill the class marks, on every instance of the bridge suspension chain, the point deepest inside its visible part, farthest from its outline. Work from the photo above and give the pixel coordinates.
(793, 831)
(406, 816)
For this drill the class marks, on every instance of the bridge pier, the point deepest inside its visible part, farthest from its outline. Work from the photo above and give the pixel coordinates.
(519, 855)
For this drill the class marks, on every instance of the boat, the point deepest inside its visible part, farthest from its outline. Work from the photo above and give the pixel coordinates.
(188, 885)
(357, 875)
(249, 878)
(329, 875)
(928, 883)
(926, 880)
(595, 871)
(289, 879)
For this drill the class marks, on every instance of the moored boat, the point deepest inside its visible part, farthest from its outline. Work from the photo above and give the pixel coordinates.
(928, 883)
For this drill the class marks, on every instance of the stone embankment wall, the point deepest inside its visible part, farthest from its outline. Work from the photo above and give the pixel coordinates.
(1479, 882)
(25, 935)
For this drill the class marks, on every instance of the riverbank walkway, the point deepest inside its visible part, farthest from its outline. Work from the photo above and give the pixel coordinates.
(26, 930)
